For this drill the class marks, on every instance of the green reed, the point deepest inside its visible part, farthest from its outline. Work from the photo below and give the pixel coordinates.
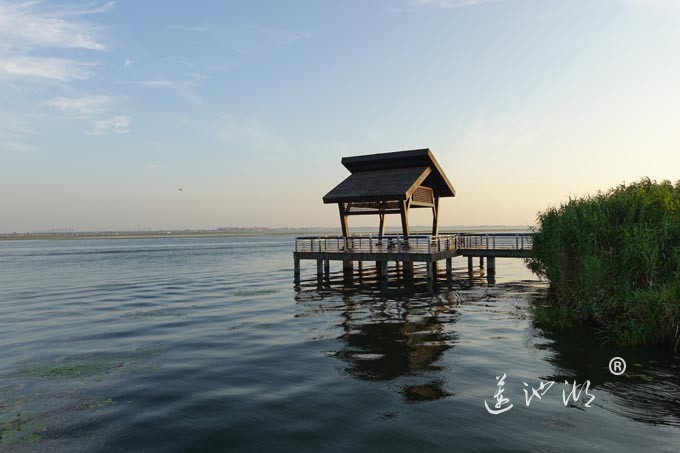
(613, 261)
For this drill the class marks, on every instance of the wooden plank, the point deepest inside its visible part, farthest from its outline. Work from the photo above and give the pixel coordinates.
(423, 195)
(376, 212)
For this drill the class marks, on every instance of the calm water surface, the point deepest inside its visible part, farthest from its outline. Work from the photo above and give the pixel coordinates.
(199, 344)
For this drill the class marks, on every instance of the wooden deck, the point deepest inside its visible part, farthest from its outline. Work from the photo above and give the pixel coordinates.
(409, 249)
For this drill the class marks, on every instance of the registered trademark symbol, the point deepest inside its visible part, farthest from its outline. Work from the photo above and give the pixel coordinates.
(617, 366)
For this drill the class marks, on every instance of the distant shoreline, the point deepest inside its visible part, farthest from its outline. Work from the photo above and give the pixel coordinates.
(236, 233)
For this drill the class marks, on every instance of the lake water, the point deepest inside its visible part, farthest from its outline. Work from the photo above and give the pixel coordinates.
(199, 344)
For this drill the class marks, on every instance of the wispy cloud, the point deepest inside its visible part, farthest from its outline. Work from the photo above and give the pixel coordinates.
(17, 147)
(89, 8)
(86, 106)
(34, 26)
(452, 4)
(119, 124)
(92, 109)
(60, 69)
(181, 89)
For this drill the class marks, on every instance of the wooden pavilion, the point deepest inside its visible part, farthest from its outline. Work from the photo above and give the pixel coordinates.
(391, 183)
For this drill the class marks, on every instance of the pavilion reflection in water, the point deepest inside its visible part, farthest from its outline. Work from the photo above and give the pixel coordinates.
(398, 333)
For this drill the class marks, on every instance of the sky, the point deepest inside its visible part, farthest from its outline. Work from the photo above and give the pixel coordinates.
(107, 108)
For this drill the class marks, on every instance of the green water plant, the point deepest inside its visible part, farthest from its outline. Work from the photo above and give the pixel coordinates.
(94, 366)
(19, 429)
(94, 405)
(613, 261)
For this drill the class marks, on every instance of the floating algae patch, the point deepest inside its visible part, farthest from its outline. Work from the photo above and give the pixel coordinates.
(94, 405)
(19, 428)
(69, 370)
(38, 412)
(91, 366)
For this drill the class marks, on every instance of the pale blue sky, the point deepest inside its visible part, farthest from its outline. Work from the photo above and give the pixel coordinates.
(107, 108)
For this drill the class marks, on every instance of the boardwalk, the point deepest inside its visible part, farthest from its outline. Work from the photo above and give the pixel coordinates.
(410, 249)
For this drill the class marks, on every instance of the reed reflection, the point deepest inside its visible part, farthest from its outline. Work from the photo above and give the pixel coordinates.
(647, 391)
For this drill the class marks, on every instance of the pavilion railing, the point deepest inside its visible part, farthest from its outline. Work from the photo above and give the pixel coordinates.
(495, 241)
(396, 243)
(391, 243)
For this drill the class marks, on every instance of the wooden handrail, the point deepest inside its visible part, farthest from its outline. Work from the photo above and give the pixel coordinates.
(419, 243)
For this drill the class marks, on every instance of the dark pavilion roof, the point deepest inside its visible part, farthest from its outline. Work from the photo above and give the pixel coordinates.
(390, 176)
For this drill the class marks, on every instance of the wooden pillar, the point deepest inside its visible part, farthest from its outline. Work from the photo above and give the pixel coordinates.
(344, 224)
(491, 270)
(435, 216)
(469, 264)
(403, 210)
(319, 268)
(381, 228)
(408, 269)
(430, 270)
(348, 269)
(296, 267)
(327, 268)
(449, 268)
(383, 270)
(481, 262)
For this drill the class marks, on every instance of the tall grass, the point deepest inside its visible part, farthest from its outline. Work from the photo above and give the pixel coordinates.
(613, 261)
